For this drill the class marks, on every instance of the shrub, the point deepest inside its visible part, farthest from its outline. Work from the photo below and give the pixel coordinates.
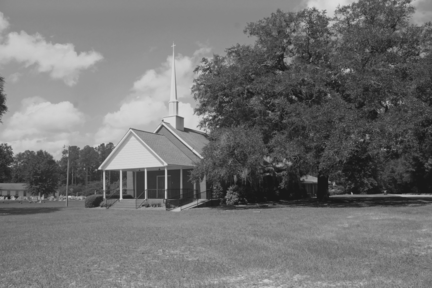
(235, 195)
(218, 193)
(93, 201)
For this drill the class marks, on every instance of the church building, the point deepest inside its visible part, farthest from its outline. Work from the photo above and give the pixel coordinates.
(158, 164)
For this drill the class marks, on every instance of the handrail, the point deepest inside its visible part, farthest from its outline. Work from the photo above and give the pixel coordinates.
(108, 200)
(205, 197)
(138, 197)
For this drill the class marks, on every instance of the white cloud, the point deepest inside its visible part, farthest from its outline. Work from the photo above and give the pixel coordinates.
(61, 61)
(40, 124)
(147, 103)
(137, 113)
(3, 22)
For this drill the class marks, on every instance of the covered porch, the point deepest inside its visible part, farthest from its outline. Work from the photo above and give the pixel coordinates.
(157, 184)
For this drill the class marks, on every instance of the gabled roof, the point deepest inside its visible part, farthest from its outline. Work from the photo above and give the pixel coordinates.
(164, 148)
(194, 139)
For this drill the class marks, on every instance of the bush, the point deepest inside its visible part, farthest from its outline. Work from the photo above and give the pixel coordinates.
(93, 201)
(235, 195)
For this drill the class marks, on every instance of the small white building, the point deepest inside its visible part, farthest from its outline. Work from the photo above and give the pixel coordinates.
(14, 189)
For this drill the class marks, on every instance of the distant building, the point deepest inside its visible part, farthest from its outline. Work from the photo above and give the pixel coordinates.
(310, 183)
(14, 189)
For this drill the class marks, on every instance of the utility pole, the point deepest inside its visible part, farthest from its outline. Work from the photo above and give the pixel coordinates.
(67, 181)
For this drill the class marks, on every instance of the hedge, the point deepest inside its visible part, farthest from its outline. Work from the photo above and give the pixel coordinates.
(93, 201)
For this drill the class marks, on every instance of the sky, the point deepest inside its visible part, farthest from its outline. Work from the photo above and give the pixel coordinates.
(82, 72)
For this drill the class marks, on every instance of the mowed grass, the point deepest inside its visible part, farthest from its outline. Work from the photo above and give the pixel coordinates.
(350, 242)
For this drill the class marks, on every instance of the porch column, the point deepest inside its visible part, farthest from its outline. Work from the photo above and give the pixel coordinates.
(166, 183)
(121, 184)
(145, 183)
(194, 190)
(181, 183)
(103, 185)
(135, 186)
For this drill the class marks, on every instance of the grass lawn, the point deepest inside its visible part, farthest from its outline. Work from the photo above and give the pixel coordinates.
(349, 242)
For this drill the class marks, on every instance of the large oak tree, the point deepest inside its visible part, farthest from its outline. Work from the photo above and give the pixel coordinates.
(322, 90)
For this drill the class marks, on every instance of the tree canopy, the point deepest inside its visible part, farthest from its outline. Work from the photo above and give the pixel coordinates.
(321, 92)
(6, 160)
(41, 173)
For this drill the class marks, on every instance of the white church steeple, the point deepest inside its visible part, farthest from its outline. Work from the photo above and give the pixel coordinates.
(173, 118)
(173, 103)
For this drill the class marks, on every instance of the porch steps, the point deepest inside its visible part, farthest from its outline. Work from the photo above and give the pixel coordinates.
(124, 204)
(191, 205)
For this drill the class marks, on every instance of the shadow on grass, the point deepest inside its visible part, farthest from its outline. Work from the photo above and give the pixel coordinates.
(340, 202)
(27, 210)
(361, 201)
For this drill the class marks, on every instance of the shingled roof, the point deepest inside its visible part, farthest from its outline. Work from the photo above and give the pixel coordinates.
(196, 139)
(13, 186)
(164, 148)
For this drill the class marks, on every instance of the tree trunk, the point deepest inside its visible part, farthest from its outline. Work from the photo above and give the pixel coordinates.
(322, 193)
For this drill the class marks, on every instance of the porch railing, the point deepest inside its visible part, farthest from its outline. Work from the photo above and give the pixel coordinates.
(112, 198)
(156, 193)
(140, 199)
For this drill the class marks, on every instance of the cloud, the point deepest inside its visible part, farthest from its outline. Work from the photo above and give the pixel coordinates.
(147, 103)
(14, 78)
(3, 22)
(423, 11)
(61, 61)
(40, 124)
(133, 114)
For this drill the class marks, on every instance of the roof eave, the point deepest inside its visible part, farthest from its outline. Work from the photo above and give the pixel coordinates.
(115, 149)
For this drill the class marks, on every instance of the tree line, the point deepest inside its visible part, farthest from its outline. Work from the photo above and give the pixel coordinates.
(44, 175)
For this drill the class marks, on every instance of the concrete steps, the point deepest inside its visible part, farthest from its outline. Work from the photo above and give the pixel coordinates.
(124, 204)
